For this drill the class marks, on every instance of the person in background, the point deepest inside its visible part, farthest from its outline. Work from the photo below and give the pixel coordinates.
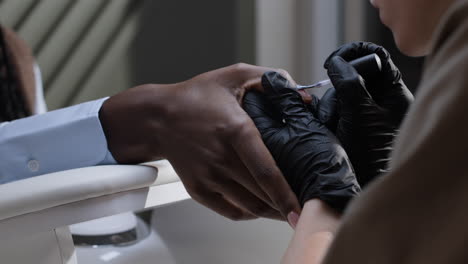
(415, 211)
(198, 125)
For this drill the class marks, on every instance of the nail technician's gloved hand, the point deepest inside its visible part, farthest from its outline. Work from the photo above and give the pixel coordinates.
(370, 110)
(307, 152)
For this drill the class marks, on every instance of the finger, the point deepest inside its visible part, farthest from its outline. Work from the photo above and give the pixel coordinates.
(389, 70)
(254, 81)
(196, 181)
(261, 111)
(219, 204)
(267, 121)
(243, 177)
(306, 97)
(313, 105)
(357, 50)
(258, 160)
(350, 86)
(252, 76)
(243, 198)
(285, 98)
(248, 77)
(327, 109)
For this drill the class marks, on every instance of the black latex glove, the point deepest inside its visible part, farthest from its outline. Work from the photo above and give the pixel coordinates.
(307, 152)
(370, 111)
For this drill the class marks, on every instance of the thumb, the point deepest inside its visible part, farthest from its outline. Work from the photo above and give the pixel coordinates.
(284, 97)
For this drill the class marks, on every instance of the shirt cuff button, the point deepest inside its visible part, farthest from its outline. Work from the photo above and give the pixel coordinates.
(33, 165)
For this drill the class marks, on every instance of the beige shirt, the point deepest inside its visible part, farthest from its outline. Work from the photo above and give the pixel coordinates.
(418, 213)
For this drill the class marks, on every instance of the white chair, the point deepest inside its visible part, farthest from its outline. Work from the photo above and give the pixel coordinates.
(35, 213)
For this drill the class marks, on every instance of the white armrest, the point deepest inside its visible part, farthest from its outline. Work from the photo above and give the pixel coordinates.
(50, 190)
(68, 197)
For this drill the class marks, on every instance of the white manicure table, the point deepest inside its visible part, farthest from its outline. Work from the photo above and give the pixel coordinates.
(35, 213)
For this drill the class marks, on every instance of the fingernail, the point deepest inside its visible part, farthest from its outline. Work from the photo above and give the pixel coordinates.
(306, 97)
(293, 218)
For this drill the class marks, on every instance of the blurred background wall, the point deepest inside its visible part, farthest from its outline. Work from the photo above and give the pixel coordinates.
(93, 48)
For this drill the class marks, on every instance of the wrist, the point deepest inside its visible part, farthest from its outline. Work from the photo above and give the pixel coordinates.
(314, 233)
(132, 121)
(318, 217)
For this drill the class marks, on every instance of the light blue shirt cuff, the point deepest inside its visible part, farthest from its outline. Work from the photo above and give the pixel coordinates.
(64, 139)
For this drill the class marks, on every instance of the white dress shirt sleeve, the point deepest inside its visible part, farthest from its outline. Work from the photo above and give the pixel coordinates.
(59, 140)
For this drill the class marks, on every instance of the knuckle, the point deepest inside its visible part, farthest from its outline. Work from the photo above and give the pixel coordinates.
(241, 127)
(222, 129)
(245, 127)
(239, 66)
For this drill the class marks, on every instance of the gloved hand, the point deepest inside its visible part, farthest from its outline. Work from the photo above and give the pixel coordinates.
(370, 111)
(309, 155)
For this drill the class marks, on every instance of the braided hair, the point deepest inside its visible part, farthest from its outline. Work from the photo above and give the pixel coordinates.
(12, 101)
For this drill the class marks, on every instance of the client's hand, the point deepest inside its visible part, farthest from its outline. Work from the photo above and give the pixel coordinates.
(370, 111)
(201, 128)
(307, 152)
